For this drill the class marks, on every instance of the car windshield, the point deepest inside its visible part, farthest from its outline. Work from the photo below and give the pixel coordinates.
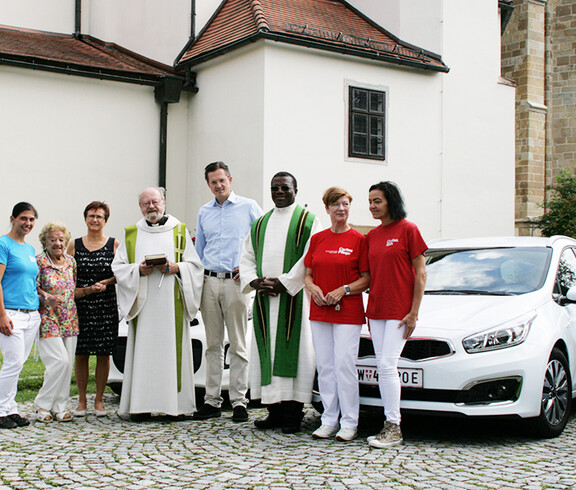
(489, 271)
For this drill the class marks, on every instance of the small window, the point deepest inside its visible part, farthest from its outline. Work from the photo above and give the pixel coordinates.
(366, 125)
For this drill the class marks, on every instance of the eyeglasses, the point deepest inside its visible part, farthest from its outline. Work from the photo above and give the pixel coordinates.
(147, 204)
(96, 216)
(285, 188)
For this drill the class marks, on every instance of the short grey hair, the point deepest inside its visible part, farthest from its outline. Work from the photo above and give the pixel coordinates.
(160, 191)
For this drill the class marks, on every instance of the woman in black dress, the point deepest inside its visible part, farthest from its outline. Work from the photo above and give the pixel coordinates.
(96, 302)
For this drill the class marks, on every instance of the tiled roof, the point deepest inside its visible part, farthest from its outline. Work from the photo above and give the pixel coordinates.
(86, 56)
(331, 25)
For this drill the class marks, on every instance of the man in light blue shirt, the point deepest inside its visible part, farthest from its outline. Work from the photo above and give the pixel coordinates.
(223, 224)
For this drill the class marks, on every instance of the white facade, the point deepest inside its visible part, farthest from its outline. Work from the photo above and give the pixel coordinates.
(450, 137)
(478, 126)
(418, 22)
(155, 29)
(264, 108)
(67, 141)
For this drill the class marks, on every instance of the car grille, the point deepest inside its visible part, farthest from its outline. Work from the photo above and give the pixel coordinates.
(415, 349)
(484, 393)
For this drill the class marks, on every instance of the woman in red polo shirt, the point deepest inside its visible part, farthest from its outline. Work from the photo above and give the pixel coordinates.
(336, 275)
(398, 277)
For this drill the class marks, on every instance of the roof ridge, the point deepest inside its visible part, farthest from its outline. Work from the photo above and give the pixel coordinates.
(259, 16)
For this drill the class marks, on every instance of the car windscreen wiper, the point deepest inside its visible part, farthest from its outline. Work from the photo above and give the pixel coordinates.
(469, 291)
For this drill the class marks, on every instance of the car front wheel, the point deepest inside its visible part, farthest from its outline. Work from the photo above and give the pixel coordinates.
(556, 398)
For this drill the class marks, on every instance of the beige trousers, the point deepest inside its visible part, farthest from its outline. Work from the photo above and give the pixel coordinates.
(225, 306)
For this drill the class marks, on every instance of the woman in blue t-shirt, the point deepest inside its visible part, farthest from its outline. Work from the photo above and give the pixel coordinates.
(19, 317)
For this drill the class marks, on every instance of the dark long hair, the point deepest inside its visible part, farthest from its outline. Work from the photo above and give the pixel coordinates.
(391, 192)
(21, 207)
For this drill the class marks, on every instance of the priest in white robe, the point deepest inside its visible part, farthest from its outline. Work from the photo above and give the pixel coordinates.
(159, 301)
(282, 360)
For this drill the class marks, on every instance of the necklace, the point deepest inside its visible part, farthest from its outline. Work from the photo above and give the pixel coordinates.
(56, 266)
(91, 245)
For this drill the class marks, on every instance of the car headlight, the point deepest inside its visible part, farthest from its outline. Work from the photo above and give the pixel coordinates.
(498, 338)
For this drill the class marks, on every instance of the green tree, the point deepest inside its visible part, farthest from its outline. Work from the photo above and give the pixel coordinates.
(559, 217)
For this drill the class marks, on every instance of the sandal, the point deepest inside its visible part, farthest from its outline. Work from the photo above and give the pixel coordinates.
(43, 416)
(64, 417)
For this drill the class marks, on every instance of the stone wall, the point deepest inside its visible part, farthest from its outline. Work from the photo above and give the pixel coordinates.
(561, 87)
(539, 54)
(523, 61)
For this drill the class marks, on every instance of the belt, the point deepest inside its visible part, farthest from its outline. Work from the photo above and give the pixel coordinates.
(219, 275)
(21, 310)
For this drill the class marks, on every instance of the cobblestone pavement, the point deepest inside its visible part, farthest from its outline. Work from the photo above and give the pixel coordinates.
(218, 453)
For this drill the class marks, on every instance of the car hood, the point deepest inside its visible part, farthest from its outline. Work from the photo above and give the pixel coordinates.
(450, 315)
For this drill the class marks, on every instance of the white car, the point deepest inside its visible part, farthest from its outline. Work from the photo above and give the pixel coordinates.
(198, 336)
(496, 334)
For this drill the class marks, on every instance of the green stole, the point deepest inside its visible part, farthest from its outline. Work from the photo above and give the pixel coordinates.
(290, 312)
(179, 245)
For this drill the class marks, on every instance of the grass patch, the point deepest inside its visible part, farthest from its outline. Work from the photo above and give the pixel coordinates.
(32, 377)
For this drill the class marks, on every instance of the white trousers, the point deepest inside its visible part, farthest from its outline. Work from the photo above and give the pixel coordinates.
(57, 354)
(388, 342)
(336, 347)
(223, 304)
(15, 350)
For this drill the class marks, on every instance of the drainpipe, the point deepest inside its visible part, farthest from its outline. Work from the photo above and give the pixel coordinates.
(163, 147)
(78, 20)
(168, 92)
(193, 19)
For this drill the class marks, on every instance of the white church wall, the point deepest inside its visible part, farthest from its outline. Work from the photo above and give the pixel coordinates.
(477, 126)
(226, 123)
(42, 15)
(306, 131)
(157, 30)
(68, 140)
(417, 22)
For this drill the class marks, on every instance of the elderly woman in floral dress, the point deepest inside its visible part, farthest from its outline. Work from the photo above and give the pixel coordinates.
(59, 327)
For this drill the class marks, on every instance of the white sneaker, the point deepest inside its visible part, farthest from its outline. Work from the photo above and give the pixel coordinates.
(389, 436)
(346, 434)
(325, 432)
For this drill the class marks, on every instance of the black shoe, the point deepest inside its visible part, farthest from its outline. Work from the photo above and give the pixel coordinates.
(240, 414)
(292, 421)
(7, 423)
(18, 420)
(207, 411)
(176, 418)
(140, 417)
(268, 423)
(291, 429)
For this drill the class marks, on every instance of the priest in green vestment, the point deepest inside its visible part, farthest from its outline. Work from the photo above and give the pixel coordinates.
(282, 363)
(159, 300)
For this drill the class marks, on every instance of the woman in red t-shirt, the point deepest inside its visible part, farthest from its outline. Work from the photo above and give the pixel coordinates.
(336, 275)
(398, 276)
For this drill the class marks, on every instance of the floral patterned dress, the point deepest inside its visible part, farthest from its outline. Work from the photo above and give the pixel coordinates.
(63, 320)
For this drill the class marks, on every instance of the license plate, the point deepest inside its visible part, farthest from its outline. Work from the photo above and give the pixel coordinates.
(409, 377)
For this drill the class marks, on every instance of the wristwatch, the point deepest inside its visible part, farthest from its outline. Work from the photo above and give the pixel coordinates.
(347, 289)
